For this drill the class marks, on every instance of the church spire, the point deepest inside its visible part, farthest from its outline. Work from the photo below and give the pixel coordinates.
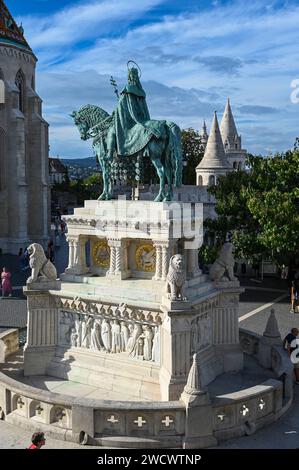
(204, 134)
(10, 33)
(228, 129)
(214, 156)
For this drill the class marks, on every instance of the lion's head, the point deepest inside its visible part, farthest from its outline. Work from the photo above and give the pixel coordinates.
(227, 253)
(36, 250)
(177, 263)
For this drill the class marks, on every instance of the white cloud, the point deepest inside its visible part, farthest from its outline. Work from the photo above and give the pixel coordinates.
(83, 21)
(248, 50)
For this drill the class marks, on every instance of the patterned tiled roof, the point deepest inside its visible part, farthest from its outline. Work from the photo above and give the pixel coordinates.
(9, 31)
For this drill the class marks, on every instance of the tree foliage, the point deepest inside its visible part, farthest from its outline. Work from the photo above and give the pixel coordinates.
(260, 207)
(193, 151)
(89, 188)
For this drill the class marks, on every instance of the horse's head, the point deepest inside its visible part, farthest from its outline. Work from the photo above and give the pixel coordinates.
(82, 124)
(87, 118)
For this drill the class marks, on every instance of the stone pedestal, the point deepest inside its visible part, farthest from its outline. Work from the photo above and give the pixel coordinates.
(117, 327)
(42, 331)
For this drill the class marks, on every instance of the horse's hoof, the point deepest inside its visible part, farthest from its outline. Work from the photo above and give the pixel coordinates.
(167, 199)
(159, 198)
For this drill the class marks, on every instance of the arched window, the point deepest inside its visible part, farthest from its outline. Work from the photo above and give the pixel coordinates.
(33, 82)
(211, 180)
(20, 83)
(199, 180)
(236, 146)
(235, 165)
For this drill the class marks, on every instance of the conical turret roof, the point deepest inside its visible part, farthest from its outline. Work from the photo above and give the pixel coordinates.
(214, 156)
(10, 33)
(228, 126)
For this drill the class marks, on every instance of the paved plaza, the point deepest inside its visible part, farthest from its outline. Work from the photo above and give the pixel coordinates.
(255, 305)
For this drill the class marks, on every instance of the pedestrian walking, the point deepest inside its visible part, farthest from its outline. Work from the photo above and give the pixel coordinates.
(37, 440)
(6, 282)
(26, 260)
(295, 292)
(284, 272)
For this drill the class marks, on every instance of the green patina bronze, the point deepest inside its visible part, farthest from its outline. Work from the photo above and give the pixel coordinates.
(127, 135)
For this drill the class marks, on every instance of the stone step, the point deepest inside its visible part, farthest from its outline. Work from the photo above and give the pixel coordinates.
(141, 382)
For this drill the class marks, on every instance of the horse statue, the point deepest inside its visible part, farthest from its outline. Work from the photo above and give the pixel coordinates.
(130, 133)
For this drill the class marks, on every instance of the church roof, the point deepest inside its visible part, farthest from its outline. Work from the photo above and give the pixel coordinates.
(10, 33)
(214, 156)
(55, 165)
(228, 126)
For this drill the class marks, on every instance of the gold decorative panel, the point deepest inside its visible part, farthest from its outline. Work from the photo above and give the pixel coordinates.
(101, 254)
(145, 257)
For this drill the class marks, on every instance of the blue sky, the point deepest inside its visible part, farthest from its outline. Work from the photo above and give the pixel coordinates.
(193, 55)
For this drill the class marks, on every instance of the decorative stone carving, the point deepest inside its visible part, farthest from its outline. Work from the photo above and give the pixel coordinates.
(223, 268)
(156, 345)
(110, 328)
(272, 333)
(42, 270)
(194, 392)
(74, 337)
(201, 333)
(176, 278)
(96, 343)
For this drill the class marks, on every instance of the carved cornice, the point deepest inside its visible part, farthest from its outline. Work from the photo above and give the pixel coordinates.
(15, 53)
(109, 311)
(108, 224)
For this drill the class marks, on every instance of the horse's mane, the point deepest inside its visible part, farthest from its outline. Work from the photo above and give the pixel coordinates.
(92, 110)
(98, 119)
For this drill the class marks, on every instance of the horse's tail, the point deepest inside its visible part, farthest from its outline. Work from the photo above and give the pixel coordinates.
(175, 152)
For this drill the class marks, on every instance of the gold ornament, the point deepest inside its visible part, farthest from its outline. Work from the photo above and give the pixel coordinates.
(101, 254)
(145, 258)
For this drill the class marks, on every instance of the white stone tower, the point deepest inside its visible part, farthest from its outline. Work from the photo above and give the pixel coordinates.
(214, 162)
(231, 140)
(24, 192)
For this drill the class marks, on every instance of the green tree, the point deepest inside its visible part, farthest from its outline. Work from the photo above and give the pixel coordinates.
(193, 151)
(93, 185)
(260, 207)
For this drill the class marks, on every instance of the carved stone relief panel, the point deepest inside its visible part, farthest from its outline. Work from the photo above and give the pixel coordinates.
(110, 329)
(201, 332)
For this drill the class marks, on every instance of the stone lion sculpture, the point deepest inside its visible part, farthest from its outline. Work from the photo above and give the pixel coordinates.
(41, 268)
(176, 278)
(223, 268)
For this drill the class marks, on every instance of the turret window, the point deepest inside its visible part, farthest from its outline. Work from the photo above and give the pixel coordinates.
(20, 83)
(211, 180)
(199, 180)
